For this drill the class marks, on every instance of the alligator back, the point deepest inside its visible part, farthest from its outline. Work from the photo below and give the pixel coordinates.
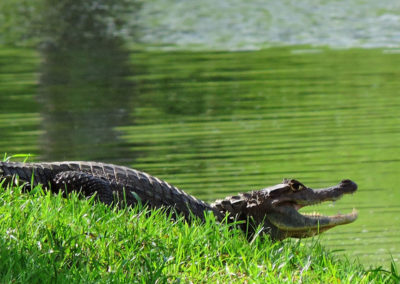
(127, 183)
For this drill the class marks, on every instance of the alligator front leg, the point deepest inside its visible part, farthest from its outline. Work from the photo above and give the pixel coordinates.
(84, 183)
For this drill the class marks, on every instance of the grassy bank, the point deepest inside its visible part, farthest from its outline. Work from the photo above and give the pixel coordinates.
(47, 238)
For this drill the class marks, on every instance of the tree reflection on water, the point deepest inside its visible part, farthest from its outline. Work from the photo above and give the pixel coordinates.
(84, 87)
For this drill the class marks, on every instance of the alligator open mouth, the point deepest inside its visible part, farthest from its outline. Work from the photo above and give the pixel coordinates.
(287, 218)
(338, 219)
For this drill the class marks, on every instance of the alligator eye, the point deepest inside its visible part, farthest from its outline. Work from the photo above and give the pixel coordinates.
(296, 185)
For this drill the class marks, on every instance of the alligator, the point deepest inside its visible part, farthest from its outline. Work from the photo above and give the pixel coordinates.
(272, 210)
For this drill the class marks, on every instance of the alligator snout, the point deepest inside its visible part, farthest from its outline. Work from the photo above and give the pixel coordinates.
(348, 186)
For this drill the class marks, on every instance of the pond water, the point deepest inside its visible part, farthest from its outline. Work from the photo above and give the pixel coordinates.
(255, 24)
(218, 123)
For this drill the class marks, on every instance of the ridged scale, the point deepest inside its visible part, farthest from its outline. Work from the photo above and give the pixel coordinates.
(123, 181)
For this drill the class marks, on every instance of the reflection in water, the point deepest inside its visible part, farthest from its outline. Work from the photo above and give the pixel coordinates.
(19, 120)
(84, 89)
(71, 22)
(255, 24)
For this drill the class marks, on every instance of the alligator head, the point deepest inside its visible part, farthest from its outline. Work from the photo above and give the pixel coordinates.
(276, 209)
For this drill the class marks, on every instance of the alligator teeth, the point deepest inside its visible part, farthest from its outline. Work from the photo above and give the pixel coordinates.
(313, 214)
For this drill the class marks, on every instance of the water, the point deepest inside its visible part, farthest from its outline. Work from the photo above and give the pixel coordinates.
(255, 24)
(217, 122)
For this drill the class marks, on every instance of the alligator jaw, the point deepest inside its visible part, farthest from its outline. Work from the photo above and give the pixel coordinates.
(296, 225)
(301, 196)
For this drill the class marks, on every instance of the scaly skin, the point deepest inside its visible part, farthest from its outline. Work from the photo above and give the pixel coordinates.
(274, 208)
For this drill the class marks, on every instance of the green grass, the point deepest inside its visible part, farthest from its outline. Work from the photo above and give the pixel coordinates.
(47, 238)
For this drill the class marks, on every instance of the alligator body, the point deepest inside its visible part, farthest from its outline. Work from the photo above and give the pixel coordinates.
(275, 208)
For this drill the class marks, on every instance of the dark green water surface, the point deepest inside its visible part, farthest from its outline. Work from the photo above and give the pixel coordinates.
(218, 123)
